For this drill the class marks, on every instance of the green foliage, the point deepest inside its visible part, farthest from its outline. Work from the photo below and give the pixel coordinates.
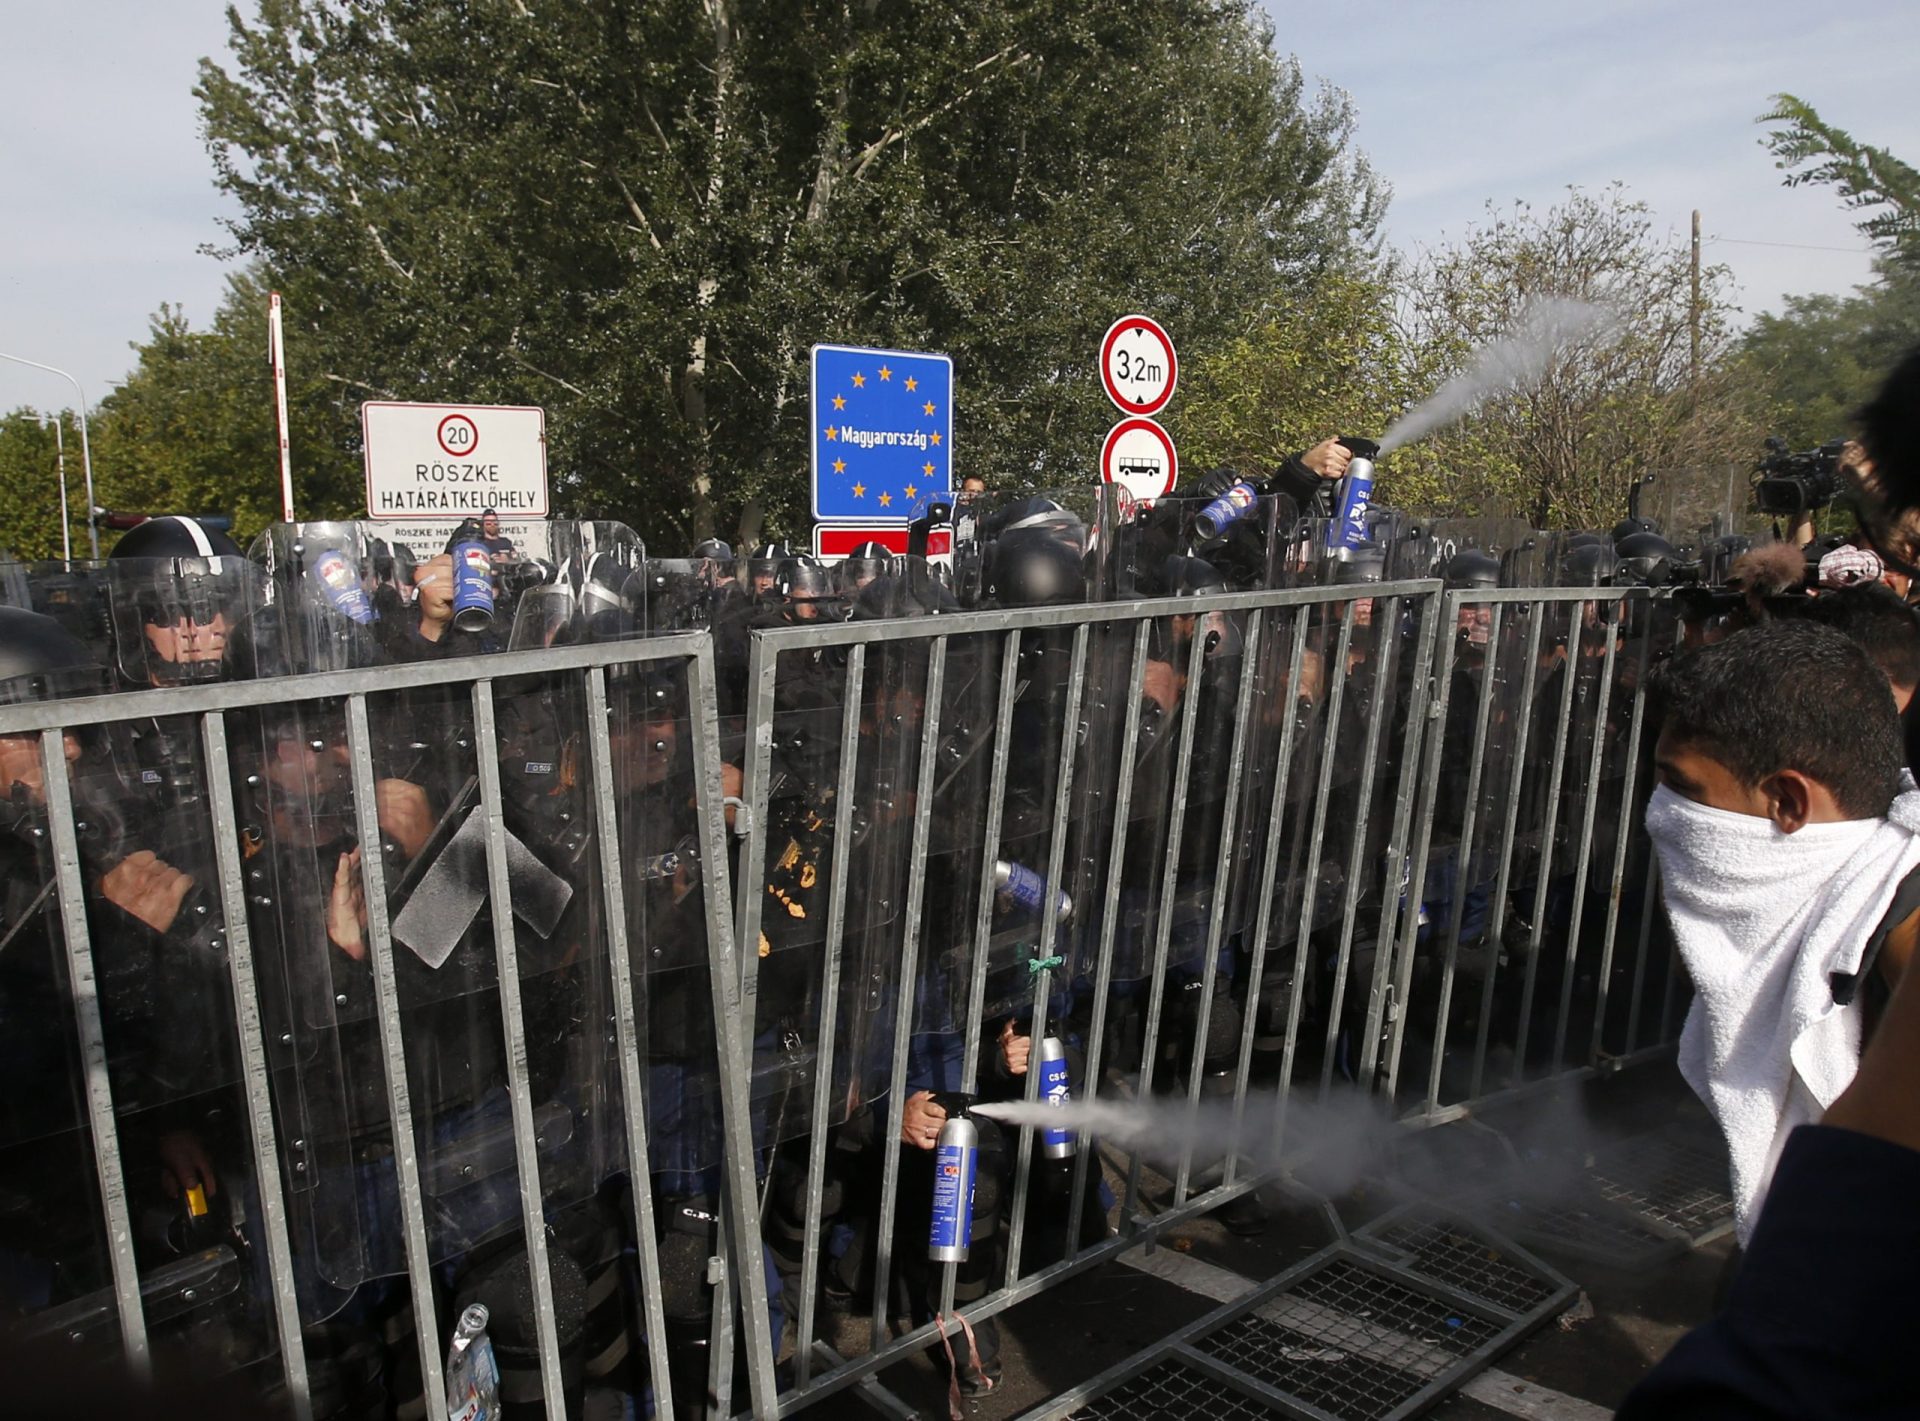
(192, 428)
(1331, 360)
(1353, 353)
(30, 485)
(1613, 406)
(1822, 357)
(1868, 179)
(641, 217)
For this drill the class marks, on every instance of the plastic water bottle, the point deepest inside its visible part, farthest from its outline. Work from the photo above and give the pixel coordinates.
(473, 1377)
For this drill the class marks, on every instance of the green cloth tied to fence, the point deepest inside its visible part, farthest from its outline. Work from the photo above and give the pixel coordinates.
(1037, 965)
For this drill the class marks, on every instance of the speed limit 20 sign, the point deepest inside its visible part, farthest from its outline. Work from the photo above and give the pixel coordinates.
(1138, 366)
(454, 462)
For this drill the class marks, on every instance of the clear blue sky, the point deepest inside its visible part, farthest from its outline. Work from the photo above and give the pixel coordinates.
(108, 190)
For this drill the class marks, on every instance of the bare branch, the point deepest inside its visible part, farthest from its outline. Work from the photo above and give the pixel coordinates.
(905, 131)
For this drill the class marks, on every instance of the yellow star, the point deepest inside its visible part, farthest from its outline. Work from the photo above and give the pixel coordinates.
(839, 402)
(928, 466)
(839, 466)
(912, 492)
(885, 374)
(936, 439)
(859, 490)
(859, 382)
(928, 407)
(885, 499)
(832, 433)
(912, 384)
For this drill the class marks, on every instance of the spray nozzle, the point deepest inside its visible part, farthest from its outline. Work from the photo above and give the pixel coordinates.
(1359, 448)
(955, 1102)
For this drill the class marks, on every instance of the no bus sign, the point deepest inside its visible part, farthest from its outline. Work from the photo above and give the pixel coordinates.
(1137, 365)
(1138, 455)
(454, 461)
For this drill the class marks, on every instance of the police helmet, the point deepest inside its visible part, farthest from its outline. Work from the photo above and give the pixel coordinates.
(176, 590)
(1037, 555)
(1587, 562)
(1472, 568)
(1644, 559)
(805, 591)
(1365, 562)
(1628, 526)
(173, 536)
(40, 660)
(865, 564)
(761, 566)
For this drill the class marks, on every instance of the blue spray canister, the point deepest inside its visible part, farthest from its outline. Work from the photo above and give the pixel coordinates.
(472, 587)
(1349, 529)
(956, 1165)
(1210, 524)
(340, 585)
(1028, 889)
(1056, 1090)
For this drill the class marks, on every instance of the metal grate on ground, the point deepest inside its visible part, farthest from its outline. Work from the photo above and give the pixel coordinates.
(1676, 1176)
(1456, 1251)
(1583, 1224)
(1174, 1387)
(1349, 1333)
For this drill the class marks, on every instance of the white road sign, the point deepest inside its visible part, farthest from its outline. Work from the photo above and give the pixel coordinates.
(1138, 366)
(454, 461)
(1139, 456)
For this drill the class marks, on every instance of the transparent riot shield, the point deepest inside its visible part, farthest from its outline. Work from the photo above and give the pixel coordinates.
(435, 767)
(146, 992)
(1487, 665)
(1371, 647)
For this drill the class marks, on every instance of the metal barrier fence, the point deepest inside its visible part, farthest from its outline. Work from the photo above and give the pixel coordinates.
(516, 1157)
(1378, 838)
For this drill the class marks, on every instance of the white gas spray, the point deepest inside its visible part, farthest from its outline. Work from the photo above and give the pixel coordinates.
(1521, 355)
(1329, 1144)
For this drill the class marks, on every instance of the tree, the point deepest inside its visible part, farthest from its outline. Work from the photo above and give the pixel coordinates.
(641, 217)
(192, 429)
(30, 485)
(1821, 358)
(1563, 450)
(1332, 360)
(1868, 179)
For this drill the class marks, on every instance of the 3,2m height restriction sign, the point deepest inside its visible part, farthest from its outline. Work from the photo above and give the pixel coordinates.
(1138, 366)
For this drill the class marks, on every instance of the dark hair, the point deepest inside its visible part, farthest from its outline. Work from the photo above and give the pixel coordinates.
(1880, 622)
(1890, 433)
(489, 513)
(1788, 695)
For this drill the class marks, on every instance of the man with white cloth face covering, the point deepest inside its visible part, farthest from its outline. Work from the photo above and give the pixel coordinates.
(1784, 825)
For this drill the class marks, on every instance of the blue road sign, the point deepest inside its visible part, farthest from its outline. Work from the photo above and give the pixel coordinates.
(882, 432)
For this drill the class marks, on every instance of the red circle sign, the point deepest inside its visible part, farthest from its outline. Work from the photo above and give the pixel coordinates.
(1139, 455)
(458, 435)
(1138, 366)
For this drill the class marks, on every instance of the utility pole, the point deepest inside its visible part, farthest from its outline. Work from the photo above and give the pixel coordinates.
(1693, 316)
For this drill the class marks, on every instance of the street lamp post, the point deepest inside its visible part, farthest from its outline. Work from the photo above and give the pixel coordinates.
(86, 454)
(66, 519)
